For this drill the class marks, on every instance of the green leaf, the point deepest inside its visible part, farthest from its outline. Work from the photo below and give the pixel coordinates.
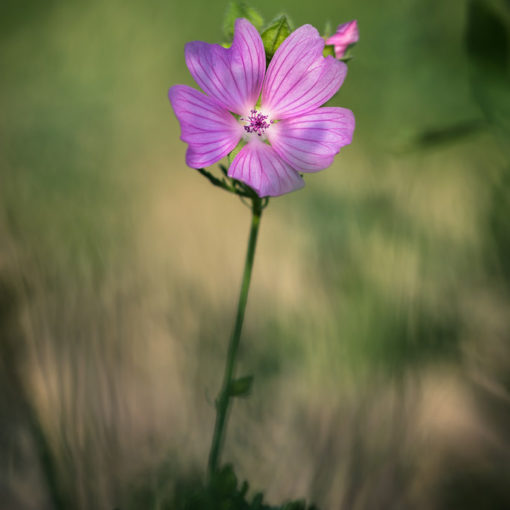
(444, 135)
(224, 482)
(487, 47)
(275, 34)
(257, 501)
(239, 9)
(486, 37)
(241, 387)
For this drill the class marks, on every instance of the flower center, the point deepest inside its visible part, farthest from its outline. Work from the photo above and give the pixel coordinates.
(257, 122)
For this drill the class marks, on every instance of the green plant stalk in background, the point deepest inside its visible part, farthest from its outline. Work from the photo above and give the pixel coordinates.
(235, 387)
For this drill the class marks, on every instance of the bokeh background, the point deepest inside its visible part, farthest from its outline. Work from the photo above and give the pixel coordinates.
(378, 324)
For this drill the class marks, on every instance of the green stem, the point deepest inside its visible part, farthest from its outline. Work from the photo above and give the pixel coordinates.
(223, 401)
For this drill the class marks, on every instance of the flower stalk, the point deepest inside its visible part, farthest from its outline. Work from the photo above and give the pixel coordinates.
(228, 391)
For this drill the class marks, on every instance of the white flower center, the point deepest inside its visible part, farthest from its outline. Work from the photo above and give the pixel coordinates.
(256, 123)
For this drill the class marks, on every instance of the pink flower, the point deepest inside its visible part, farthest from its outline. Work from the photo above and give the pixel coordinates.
(288, 133)
(345, 35)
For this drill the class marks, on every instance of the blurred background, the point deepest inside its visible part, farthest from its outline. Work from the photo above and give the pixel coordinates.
(378, 324)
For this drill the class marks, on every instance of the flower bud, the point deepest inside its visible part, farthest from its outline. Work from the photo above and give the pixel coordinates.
(346, 35)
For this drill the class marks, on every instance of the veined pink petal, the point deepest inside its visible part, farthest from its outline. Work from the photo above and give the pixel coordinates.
(345, 35)
(299, 79)
(209, 129)
(310, 141)
(261, 168)
(232, 76)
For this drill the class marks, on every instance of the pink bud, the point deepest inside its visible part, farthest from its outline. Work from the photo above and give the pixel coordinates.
(344, 36)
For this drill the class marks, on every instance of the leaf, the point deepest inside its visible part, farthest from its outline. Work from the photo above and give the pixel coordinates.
(224, 482)
(486, 37)
(239, 9)
(488, 52)
(453, 133)
(241, 387)
(275, 34)
(257, 500)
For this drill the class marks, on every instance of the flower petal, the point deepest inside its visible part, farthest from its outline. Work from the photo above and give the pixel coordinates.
(310, 141)
(209, 129)
(232, 76)
(299, 79)
(261, 168)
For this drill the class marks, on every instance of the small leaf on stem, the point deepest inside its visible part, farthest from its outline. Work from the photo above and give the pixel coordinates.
(241, 387)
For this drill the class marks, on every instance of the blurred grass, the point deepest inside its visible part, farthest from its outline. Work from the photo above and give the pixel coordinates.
(378, 322)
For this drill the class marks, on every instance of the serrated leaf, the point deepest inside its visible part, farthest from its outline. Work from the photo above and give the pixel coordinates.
(241, 387)
(238, 9)
(275, 34)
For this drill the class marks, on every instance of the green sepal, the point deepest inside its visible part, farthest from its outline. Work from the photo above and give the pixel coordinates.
(241, 387)
(238, 9)
(273, 36)
(328, 51)
(235, 152)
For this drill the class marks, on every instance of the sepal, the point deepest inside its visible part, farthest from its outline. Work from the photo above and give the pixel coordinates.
(273, 36)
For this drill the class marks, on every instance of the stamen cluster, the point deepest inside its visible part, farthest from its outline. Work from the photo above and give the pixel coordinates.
(257, 123)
